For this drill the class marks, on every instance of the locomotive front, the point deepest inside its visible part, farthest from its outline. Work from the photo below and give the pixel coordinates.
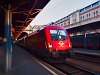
(58, 41)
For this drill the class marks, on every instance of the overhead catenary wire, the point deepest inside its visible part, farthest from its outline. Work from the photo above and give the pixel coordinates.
(52, 9)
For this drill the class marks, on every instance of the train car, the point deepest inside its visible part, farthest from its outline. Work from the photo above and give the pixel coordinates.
(50, 41)
(91, 41)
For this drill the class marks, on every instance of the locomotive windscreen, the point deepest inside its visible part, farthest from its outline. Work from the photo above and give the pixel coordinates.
(58, 34)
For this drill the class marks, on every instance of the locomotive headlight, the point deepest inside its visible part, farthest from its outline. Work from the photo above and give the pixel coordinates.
(49, 45)
(69, 44)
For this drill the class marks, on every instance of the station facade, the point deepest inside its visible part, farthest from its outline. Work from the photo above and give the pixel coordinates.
(85, 16)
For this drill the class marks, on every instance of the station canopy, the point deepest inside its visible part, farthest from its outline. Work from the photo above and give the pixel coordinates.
(23, 12)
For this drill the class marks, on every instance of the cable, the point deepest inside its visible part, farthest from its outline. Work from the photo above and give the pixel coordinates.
(55, 6)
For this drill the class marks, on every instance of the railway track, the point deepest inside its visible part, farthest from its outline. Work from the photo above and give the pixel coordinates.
(70, 69)
(87, 57)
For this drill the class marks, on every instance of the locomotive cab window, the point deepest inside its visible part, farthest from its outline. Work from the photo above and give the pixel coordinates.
(58, 34)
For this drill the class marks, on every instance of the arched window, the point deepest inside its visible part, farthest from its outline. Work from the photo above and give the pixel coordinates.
(87, 16)
(83, 17)
(96, 13)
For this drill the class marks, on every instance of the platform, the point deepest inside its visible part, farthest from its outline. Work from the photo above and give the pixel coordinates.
(23, 63)
(87, 51)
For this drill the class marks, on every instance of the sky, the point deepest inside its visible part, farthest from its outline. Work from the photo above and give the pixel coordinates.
(57, 9)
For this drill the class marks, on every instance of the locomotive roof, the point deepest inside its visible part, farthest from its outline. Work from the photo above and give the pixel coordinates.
(52, 26)
(47, 27)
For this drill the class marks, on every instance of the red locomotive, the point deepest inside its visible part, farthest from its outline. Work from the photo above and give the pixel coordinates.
(50, 41)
